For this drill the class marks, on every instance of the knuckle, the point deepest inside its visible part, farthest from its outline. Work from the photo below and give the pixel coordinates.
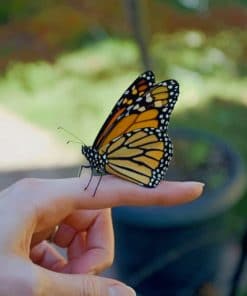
(89, 287)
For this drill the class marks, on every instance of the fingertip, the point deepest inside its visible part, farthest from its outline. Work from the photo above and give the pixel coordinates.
(195, 189)
(172, 193)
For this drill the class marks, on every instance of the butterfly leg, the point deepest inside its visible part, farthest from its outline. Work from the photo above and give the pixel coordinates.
(90, 179)
(81, 168)
(97, 186)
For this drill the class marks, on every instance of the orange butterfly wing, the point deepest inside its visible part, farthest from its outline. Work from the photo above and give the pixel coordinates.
(136, 90)
(141, 157)
(149, 111)
(133, 142)
(137, 146)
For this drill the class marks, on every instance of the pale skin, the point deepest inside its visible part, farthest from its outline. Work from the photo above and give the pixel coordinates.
(31, 208)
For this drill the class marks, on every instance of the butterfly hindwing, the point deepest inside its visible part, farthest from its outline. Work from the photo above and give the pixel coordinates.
(141, 156)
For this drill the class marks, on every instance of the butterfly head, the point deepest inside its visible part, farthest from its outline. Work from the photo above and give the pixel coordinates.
(95, 160)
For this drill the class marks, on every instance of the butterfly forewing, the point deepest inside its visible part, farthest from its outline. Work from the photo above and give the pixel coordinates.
(136, 90)
(162, 95)
(152, 111)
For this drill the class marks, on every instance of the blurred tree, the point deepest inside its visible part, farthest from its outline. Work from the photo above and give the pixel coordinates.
(137, 15)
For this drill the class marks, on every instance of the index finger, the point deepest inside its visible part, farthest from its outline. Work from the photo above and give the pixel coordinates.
(114, 191)
(57, 198)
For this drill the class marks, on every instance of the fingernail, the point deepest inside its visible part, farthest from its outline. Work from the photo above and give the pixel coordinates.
(118, 290)
(195, 189)
(189, 183)
(202, 184)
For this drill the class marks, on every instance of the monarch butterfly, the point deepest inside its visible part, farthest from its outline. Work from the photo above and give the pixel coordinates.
(133, 143)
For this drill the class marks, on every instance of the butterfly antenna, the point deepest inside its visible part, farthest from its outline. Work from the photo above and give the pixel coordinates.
(71, 134)
(71, 141)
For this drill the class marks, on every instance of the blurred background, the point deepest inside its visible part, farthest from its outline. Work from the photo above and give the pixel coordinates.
(65, 63)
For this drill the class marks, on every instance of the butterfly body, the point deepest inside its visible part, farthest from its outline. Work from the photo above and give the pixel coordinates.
(133, 143)
(97, 161)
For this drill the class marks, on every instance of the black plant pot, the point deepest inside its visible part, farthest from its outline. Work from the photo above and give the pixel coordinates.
(179, 250)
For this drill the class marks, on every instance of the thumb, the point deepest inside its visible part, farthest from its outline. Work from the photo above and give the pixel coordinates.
(58, 284)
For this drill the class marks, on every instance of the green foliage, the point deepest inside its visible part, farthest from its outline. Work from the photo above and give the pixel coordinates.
(201, 5)
(217, 55)
(76, 92)
(16, 9)
(79, 89)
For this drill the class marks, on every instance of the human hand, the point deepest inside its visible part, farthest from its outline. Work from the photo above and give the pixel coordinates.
(31, 208)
